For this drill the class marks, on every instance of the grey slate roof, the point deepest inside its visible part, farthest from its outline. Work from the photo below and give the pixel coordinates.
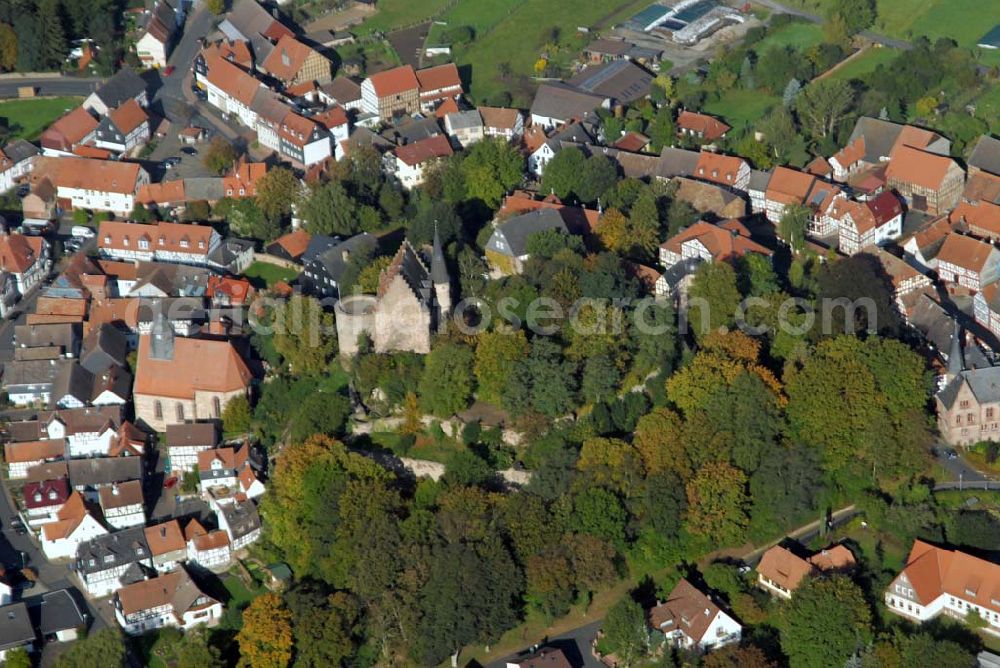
(465, 120)
(563, 102)
(207, 188)
(31, 372)
(676, 162)
(986, 155)
(15, 626)
(242, 518)
(61, 335)
(343, 89)
(516, 230)
(439, 269)
(127, 546)
(123, 86)
(984, 383)
(759, 180)
(249, 21)
(20, 149)
(192, 433)
(174, 280)
(621, 80)
(329, 252)
(104, 470)
(933, 322)
(59, 611)
(73, 381)
(409, 130)
(228, 251)
(880, 136)
(103, 347)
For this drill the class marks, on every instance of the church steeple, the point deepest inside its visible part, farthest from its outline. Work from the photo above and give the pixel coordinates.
(955, 362)
(161, 337)
(441, 280)
(439, 270)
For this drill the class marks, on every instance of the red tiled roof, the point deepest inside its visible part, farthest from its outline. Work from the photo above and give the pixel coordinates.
(963, 251)
(420, 151)
(197, 365)
(922, 168)
(88, 174)
(394, 81)
(177, 237)
(439, 78)
(46, 493)
(710, 127)
(128, 116)
(19, 253)
(725, 240)
(68, 130)
(287, 58)
(233, 81)
(633, 142)
(718, 168)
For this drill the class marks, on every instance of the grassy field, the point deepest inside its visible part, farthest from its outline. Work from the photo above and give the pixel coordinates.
(519, 37)
(393, 14)
(965, 21)
(262, 274)
(740, 107)
(988, 107)
(865, 63)
(29, 117)
(795, 35)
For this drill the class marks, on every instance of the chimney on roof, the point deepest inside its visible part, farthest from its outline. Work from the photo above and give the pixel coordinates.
(114, 489)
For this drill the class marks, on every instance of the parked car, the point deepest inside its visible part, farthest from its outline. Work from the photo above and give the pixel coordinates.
(170, 163)
(82, 232)
(23, 190)
(951, 453)
(189, 150)
(168, 70)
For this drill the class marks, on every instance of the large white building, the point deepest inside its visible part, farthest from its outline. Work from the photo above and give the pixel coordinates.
(182, 243)
(689, 619)
(98, 185)
(937, 581)
(172, 599)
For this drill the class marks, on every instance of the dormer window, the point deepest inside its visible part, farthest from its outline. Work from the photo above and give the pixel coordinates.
(163, 241)
(125, 241)
(184, 243)
(143, 244)
(201, 244)
(107, 238)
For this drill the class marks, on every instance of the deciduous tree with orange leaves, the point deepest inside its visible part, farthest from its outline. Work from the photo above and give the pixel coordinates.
(266, 637)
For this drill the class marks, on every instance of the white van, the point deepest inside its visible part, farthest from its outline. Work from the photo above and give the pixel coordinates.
(82, 232)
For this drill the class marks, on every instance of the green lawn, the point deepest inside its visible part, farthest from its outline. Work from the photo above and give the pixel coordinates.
(740, 107)
(239, 595)
(262, 274)
(795, 35)
(965, 21)
(393, 14)
(865, 63)
(27, 118)
(988, 107)
(520, 37)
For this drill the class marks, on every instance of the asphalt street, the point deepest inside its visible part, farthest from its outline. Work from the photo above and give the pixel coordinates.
(575, 645)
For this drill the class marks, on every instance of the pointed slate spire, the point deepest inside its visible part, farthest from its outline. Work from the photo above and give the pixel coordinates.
(955, 362)
(439, 270)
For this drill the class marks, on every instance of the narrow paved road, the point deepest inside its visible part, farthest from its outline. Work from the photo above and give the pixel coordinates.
(575, 645)
(51, 85)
